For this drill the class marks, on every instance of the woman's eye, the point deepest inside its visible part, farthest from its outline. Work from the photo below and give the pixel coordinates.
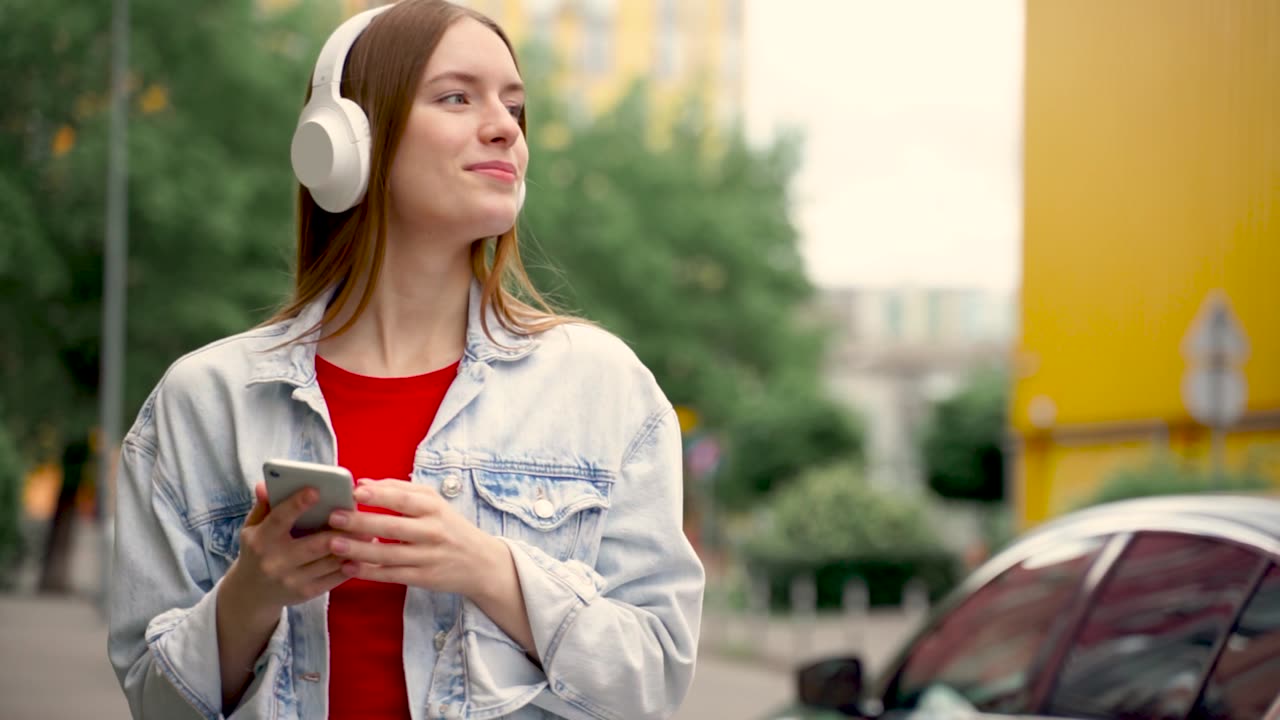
(454, 99)
(517, 111)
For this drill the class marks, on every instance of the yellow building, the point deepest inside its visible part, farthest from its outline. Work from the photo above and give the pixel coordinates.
(682, 47)
(1152, 183)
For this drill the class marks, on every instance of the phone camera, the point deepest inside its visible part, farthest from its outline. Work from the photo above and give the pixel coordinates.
(274, 473)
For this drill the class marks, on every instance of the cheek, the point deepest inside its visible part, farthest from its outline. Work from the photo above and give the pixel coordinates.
(522, 153)
(422, 152)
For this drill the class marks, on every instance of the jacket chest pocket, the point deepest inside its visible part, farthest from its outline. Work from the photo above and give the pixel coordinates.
(562, 516)
(222, 539)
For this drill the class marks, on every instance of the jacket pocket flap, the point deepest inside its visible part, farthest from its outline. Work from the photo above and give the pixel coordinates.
(542, 502)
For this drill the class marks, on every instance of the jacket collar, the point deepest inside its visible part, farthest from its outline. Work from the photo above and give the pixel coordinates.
(289, 355)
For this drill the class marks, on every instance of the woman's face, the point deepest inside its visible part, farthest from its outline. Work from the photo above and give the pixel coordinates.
(462, 155)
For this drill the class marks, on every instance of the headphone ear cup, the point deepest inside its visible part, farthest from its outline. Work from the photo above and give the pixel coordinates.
(330, 153)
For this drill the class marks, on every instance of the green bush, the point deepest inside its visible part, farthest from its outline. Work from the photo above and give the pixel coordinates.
(831, 525)
(962, 443)
(1164, 476)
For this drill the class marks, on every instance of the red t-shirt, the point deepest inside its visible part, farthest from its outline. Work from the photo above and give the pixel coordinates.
(379, 423)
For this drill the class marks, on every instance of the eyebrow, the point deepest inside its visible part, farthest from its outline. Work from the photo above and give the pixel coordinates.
(473, 80)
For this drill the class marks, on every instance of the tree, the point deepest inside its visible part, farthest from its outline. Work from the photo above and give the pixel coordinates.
(214, 94)
(963, 441)
(687, 251)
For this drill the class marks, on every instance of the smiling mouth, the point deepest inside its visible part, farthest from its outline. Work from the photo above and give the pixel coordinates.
(496, 173)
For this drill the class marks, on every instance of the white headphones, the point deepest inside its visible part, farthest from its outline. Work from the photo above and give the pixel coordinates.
(330, 148)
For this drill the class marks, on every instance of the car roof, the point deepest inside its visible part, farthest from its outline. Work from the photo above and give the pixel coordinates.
(1255, 517)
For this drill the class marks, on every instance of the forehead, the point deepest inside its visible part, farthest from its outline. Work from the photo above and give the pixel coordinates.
(470, 47)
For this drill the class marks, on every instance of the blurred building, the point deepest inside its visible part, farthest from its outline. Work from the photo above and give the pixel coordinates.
(1152, 190)
(683, 48)
(898, 350)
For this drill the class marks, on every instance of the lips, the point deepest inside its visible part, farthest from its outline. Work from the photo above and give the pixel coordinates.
(496, 169)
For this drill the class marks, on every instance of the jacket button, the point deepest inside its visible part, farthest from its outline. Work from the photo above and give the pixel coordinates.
(544, 509)
(440, 640)
(451, 487)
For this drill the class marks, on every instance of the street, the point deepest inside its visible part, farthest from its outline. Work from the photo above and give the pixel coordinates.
(53, 651)
(54, 654)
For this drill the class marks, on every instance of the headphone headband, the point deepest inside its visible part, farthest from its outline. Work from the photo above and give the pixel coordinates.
(333, 56)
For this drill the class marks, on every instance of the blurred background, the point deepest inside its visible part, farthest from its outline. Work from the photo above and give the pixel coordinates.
(918, 275)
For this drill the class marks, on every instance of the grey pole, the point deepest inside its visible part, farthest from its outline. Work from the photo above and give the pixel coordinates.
(115, 256)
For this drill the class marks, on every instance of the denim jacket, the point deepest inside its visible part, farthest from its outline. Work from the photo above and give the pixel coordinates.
(612, 587)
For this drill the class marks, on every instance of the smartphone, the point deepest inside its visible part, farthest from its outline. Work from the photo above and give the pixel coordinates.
(334, 483)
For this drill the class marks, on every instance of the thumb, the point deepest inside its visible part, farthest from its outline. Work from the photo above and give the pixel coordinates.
(261, 506)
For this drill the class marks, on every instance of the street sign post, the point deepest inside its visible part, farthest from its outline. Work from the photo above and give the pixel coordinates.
(1213, 388)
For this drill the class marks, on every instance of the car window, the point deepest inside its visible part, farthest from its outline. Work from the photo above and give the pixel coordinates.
(983, 650)
(1246, 679)
(1152, 628)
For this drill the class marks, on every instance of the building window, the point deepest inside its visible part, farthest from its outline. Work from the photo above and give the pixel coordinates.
(667, 52)
(597, 41)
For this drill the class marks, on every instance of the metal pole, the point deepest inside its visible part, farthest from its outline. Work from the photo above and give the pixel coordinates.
(1217, 367)
(1217, 450)
(115, 255)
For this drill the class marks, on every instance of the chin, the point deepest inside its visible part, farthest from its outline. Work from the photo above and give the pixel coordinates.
(495, 220)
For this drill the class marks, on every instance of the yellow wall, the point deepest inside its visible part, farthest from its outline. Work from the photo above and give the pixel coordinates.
(1152, 177)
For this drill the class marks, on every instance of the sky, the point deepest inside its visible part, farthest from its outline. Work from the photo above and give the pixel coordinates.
(911, 110)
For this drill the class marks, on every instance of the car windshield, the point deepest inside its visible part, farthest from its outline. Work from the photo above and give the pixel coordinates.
(984, 649)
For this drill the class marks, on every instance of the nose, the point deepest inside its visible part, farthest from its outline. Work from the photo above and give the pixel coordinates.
(500, 126)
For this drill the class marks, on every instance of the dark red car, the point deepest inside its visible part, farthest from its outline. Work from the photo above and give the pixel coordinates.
(1159, 609)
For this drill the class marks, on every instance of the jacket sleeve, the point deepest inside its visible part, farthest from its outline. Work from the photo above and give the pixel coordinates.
(162, 628)
(620, 640)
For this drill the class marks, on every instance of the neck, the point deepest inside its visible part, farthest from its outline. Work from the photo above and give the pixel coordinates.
(416, 320)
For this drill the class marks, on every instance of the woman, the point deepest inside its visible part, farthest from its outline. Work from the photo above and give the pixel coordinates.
(517, 550)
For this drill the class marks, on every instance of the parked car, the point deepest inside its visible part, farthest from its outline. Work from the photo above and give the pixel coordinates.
(1160, 609)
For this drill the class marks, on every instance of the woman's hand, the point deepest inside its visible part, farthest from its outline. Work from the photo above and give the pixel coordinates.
(437, 548)
(275, 569)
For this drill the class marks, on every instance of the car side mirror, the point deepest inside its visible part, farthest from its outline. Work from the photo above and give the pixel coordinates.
(834, 684)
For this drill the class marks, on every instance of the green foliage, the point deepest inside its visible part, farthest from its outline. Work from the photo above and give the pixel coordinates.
(214, 96)
(687, 252)
(11, 475)
(831, 524)
(962, 443)
(778, 434)
(1164, 476)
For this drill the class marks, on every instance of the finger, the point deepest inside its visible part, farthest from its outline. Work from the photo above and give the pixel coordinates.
(376, 553)
(398, 495)
(319, 568)
(401, 574)
(392, 527)
(280, 520)
(260, 506)
(328, 582)
(310, 548)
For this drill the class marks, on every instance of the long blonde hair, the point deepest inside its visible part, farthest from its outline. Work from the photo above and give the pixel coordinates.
(381, 74)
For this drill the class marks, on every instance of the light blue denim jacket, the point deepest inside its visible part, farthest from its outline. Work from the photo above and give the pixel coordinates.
(612, 586)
